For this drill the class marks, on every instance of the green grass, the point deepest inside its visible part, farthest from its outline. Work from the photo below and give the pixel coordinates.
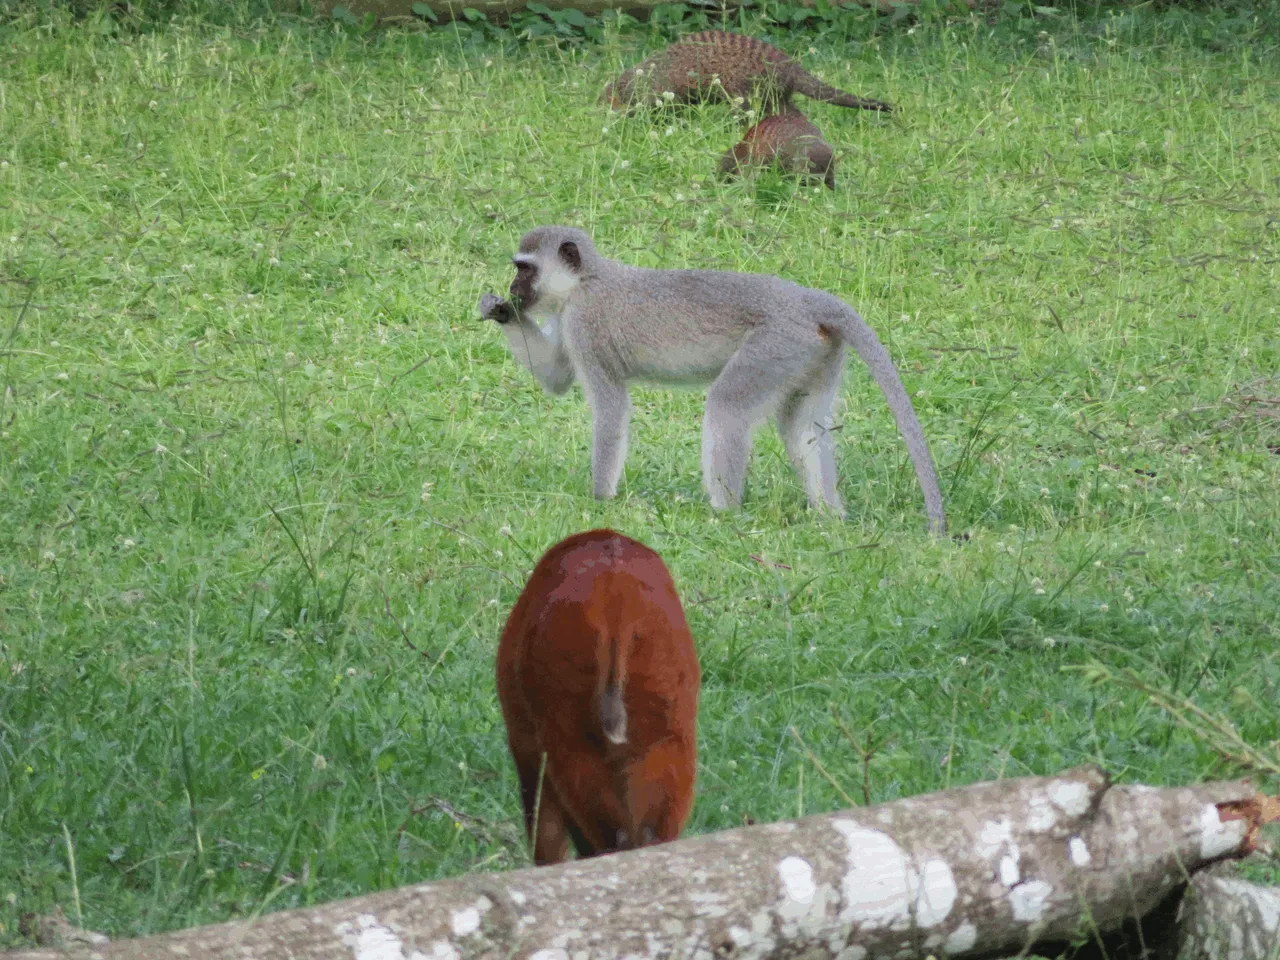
(253, 442)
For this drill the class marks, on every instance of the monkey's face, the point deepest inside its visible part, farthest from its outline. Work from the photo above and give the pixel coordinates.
(546, 273)
(523, 287)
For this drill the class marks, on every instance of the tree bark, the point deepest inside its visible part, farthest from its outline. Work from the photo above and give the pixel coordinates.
(981, 870)
(1226, 917)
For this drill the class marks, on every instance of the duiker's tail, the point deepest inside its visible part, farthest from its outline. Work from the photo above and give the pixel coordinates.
(613, 712)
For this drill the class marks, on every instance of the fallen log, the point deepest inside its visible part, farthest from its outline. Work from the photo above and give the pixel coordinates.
(989, 869)
(1227, 917)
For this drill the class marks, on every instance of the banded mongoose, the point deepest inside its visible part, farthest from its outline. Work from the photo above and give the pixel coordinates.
(716, 65)
(787, 140)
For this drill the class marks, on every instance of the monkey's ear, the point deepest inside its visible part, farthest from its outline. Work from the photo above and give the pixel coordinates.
(570, 255)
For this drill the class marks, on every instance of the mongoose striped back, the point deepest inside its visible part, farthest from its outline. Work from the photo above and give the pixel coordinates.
(716, 65)
(790, 141)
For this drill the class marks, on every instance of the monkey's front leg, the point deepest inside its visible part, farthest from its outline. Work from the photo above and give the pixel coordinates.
(610, 418)
(542, 355)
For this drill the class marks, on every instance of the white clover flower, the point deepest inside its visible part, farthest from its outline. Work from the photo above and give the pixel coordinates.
(1050, 642)
(668, 95)
(624, 164)
(1141, 389)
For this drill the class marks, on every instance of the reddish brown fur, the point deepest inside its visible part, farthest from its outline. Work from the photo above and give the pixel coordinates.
(747, 68)
(600, 613)
(789, 140)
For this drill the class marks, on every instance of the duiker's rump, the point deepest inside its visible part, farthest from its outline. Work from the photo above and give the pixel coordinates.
(597, 671)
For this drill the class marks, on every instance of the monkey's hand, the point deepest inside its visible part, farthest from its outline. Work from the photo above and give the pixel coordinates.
(493, 307)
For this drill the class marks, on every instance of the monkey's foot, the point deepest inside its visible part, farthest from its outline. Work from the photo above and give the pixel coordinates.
(493, 307)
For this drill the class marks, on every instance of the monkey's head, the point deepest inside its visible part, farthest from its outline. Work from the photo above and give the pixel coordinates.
(550, 262)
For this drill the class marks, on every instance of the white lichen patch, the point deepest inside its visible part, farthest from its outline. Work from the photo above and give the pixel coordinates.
(370, 940)
(854, 952)
(465, 922)
(1028, 900)
(936, 895)
(875, 891)
(1070, 796)
(798, 888)
(1080, 855)
(517, 898)
(1041, 816)
(443, 950)
(1009, 872)
(884, 889)
(994, 837)
(1216, 836)
(556, 954)
(962, 939)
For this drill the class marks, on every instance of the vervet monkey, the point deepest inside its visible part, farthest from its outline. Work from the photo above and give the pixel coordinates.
(598, 683)
(767, 347)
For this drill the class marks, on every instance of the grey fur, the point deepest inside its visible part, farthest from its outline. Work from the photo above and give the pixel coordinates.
(767, 347)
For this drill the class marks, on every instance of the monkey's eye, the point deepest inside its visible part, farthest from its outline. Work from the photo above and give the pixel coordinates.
(522, 267)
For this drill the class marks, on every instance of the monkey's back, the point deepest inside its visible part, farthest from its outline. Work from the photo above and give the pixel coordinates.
(590, 590)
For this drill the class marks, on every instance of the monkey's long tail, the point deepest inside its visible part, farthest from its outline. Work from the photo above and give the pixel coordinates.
(802, 81)
(864, 340)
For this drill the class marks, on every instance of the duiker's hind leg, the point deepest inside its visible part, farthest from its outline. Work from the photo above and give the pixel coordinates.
(550, 839)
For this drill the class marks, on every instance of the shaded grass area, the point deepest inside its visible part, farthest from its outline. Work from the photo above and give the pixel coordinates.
(267, 489)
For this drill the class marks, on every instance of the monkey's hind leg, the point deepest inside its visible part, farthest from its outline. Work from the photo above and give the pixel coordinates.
(751, 387)
(804, 421)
